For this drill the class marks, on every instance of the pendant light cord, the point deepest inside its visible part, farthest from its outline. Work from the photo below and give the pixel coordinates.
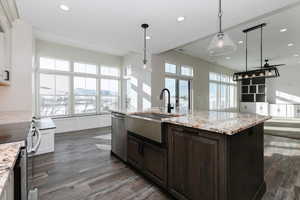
(246, 51)
(220, 16)
(261, 47)
(145, 26)
(145, 47)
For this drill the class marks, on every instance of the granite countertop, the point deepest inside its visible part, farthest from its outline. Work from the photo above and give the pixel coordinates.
(8, 155)
(228, 123)
(11, 117)
(158, 110)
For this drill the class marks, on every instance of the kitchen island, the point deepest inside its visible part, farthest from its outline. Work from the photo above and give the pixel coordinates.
(203, 155)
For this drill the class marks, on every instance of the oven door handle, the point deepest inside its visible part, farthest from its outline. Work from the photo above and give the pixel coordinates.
(35, 148)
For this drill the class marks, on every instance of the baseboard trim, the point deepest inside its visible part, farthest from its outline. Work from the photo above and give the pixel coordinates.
(88, 129)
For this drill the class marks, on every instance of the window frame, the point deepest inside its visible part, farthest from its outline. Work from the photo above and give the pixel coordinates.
(71, 74)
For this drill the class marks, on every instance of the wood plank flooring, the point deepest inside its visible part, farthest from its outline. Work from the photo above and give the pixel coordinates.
(83, 169)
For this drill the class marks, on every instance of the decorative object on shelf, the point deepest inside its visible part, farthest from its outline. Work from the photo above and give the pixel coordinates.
(145, 26)
(221, 43)
(264, 71)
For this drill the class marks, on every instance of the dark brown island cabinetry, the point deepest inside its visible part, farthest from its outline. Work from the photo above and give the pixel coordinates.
(211, 166)
(149, 158)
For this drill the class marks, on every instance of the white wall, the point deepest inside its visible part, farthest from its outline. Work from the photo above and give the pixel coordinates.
(140, 81)
(200, 80)
(286, 88)
(50, 49)
(18, 96)
(81, 123)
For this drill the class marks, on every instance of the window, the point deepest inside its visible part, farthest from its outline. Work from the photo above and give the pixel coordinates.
(85, 68)
(170, 83)
(179, 83)
(53, 64)
(222, 92)
(54, 94)
(180, 91)
(186, 71)
(85, 95)
(170, 68)
(109, 94)
(69, 88)
(110, 71)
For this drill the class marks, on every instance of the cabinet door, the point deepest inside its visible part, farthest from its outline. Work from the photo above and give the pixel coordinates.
(134, 152)
(155, 163)
(193, 164)
(202, 168)
(177, 162)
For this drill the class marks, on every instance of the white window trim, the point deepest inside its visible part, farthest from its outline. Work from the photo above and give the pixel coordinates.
(72, 74)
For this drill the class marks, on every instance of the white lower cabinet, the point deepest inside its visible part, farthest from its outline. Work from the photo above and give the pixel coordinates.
(8, 189)
(258, 108)
(47, 142)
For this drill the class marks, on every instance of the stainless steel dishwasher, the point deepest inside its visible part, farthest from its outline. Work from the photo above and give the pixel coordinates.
(119, 136)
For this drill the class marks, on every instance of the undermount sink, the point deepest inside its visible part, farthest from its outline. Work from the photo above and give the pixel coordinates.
(147, 124)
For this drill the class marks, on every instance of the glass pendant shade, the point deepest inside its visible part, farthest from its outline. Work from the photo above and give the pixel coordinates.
(221, 45)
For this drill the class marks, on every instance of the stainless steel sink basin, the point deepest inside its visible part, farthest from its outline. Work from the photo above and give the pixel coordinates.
(148, 125)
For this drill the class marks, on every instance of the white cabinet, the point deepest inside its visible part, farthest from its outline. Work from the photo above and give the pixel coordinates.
(278, 110)
(8, 189)
(8, 13)
(47, 142)
(258, 108)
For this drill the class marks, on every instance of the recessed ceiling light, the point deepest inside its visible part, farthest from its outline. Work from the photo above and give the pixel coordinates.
(148, 37)
(290, 44)
(180, 19)
(283, 30)
(227, 58)
(296, 55)
(64, 7)
(241, 42)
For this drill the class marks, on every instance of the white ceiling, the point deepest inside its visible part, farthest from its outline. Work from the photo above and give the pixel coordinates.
(275, 42)
(113, 26)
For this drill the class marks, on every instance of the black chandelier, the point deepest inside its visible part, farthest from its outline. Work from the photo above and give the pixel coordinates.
(264, 71)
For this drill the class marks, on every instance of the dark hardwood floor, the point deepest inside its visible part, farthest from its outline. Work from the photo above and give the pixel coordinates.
(83, 169)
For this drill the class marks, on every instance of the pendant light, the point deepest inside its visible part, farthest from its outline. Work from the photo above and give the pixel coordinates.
(145, 26)
(221, 43)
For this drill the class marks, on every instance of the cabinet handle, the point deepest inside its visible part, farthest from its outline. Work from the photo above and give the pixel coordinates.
(141, 149)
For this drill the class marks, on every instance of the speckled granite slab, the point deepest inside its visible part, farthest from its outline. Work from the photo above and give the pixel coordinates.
(228, 123)
(8, 155)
